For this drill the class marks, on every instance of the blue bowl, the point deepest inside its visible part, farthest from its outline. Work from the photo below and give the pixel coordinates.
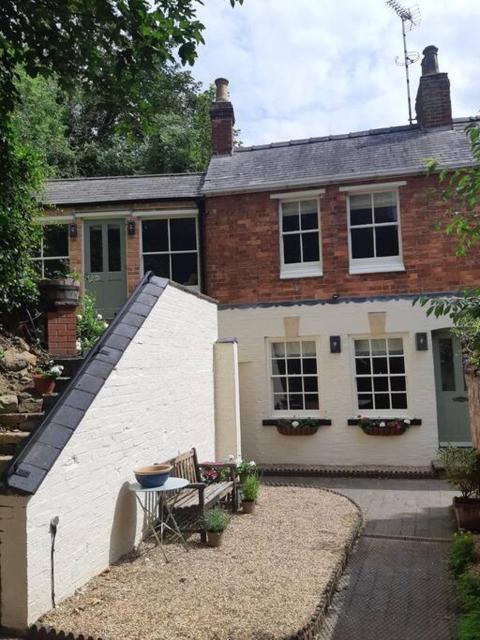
(153, 476)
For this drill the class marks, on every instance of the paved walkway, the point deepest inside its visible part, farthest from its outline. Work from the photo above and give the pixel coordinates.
(396, 586)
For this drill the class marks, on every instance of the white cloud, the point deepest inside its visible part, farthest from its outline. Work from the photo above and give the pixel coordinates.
(303, 68)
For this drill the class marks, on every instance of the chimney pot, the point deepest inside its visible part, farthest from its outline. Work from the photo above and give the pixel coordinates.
(222, 90)
(430, 60)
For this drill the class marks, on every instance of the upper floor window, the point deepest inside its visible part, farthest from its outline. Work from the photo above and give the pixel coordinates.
(52, 256)
(380, 374)
(374, 232)
(294, 376)
(300, 238)
(170, 249)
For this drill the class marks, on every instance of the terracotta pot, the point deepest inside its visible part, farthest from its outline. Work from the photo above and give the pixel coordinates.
(214, 538)
(248, 506)
(299, 431)
(467, 513)
(43, 386)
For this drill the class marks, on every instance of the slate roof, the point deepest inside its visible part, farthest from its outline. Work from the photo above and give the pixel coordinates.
(122, 188)
(339, 158)
(28, 469)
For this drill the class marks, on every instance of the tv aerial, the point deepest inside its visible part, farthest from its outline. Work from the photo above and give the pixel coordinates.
(410, 18)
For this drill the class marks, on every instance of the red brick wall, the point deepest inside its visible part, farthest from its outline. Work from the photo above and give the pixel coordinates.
(433, 104)
(242, 250)
(133, 257)
(61, 332)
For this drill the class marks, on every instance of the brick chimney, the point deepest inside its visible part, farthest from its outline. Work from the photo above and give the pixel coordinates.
(433, 104)
(223, 119)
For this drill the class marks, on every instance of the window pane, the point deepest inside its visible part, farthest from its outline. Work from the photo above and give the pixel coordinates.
(96, 249)
(278, 349)
(311, 401)
(397, 365)
(309, 349)
(293, 349)
(55, 268)
(311, 250)
(386, 239)
(395, 346)
(290, 216)
(295, 401)
(114, 255)
(184, 269)
(380, 365)
(360, 209)
(380, 383)
(294, 366)
(310, 384)
(183, 234)
(309, 366)
(399, 400)
(382, 401)
(278, 367)
(291, 249)
(308, 206)
(295, 385)
(362, 347)
(362, 243)
(364, 384)
(397, 383)
(279, 402)
(365, 401)
(385, 207)
(279, 385)
(362, 366)
(309, 221)
(158, 264)
(155, 235)
(379, 347)
(55, 241)
(447, 370)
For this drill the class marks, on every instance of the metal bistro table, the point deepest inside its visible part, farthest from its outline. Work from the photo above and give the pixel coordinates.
(161, 507)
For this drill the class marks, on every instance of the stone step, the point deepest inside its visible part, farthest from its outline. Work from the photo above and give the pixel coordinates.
(49, 401)
(22, 421)
(11, 441)
(70, 365)
(62, 383)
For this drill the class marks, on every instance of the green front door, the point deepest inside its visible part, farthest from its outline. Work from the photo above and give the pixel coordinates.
(452, 398)
(105, 264)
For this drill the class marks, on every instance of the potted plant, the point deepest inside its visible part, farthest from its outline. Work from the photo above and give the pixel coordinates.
(62, 288)
(215, 521)
(462, 470)
(45, 376)
(245, 469)
(250, 491)
(297, 426)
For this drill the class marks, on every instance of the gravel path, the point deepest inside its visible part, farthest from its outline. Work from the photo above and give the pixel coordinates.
(263, 583)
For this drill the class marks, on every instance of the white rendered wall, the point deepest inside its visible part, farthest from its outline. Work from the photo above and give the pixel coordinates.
(157, 402)
(227, 401)
(338, 444)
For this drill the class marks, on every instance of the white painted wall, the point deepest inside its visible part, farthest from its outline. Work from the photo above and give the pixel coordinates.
(158, 401)
(338, 444)
(227, 401)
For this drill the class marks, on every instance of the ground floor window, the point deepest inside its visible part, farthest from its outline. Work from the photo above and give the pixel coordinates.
(170, 249)
(294, 376)
(52, 257)
(380, 374)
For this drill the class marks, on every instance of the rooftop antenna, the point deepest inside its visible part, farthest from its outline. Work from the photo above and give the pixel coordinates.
(410, 19)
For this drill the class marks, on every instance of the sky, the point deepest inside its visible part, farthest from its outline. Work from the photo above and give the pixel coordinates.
(306, 68)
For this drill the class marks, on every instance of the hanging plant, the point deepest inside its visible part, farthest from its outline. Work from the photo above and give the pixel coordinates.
(382, 427)
(297, 426)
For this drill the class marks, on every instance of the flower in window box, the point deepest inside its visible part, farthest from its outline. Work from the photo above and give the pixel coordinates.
(382, 424)
(295, 424)
(407, 421)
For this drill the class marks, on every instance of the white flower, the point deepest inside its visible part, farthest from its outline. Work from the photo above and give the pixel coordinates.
(407, 421)
(79, 317)
(99, 316)
(253, 463)
(231, 457)
(105, 325)
(382, 424)
(56, 370)
(78, 345)
(295, 424)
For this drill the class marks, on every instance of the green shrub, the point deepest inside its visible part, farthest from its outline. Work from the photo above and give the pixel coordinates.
(251, 488)
(469, 625)
(215, 520)
(90, 324)
(462, 553)
(462, 469)
(468, 589)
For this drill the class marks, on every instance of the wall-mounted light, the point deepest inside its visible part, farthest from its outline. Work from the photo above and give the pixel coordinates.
(131, 227)
(72, 230)
(335, 344)
(421, 341)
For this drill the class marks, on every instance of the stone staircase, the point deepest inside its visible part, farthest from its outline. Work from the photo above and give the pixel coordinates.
(17, 427)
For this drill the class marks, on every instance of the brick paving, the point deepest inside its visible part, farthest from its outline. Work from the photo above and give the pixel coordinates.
(396, 586)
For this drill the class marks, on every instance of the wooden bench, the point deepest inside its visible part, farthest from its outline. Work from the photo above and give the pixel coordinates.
(198, 495)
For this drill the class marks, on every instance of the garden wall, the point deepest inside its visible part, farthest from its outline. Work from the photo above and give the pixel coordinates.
(473, 386)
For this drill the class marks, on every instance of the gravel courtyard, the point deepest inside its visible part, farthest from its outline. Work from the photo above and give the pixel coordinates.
(263, 583)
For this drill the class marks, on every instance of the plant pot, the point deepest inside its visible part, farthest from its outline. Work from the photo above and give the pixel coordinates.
(214, 538)
(299, 431)
(153, 476)
(467, 513)
(59, 291)
(43, 386)
(248, 506)
(384, 431)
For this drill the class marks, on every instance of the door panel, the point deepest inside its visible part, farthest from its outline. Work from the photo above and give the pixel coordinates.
(452, 397)
(105, 264)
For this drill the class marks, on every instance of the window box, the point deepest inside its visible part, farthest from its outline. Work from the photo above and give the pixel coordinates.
(384, 426)
(297, 426)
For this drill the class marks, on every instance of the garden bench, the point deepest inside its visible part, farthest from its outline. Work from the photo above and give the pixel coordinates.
(198, 495)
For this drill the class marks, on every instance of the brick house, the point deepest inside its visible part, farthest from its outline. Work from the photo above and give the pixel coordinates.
(315, 250)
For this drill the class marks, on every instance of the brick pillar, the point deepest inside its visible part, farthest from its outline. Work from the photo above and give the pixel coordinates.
(133, 256)
(75, 252)
(223, 118)
(473, 386)
(61, 331)
(433, 104)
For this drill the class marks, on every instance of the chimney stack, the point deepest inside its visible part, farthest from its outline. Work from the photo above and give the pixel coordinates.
(433, 104)
(223, 119)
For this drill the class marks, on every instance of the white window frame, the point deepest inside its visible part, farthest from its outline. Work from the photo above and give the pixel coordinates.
(51, 222)
(382, 264)
(299, 269)
(380, 413)
(290, 413)
(172, 215)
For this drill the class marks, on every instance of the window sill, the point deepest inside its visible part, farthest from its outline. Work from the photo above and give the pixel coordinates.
(319, 422)
(304, 272)
(372, 268)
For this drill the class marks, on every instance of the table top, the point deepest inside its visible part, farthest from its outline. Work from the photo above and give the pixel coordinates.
(171, 484)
